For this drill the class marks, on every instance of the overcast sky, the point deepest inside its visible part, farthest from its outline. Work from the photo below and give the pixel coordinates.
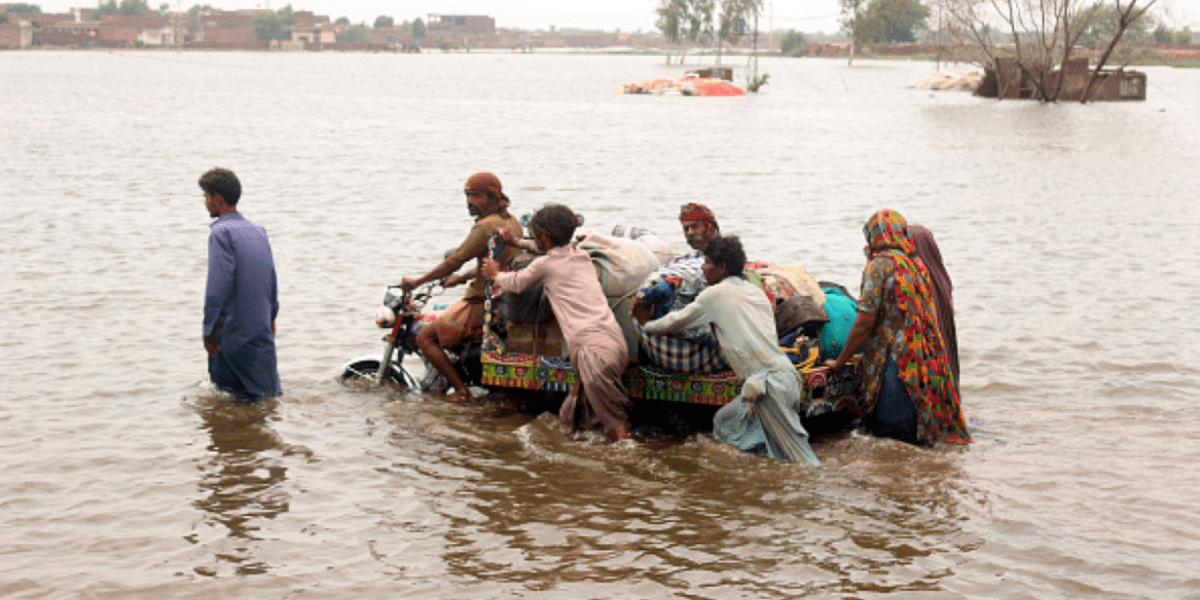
(626, 15)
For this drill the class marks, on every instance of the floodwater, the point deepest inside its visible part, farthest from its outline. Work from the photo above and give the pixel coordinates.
(1069, 231)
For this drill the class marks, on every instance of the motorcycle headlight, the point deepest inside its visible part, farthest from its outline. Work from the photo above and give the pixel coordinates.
(385, 317)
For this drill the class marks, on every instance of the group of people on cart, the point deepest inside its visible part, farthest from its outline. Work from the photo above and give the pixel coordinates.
(710, 310)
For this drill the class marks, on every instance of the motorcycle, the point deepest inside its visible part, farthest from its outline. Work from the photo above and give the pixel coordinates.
(402, 312)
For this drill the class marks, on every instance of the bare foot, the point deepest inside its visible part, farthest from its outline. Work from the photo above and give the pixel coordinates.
(620, 433)
(460, 396)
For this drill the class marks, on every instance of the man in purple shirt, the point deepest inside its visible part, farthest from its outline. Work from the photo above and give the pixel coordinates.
(241, 299)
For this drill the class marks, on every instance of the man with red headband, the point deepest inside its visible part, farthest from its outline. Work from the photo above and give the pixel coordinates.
(657, 294)
(699, 225)
(463, 321)
(673, 286)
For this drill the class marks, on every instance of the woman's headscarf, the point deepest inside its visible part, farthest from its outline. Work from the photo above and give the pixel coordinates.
(926, 249)
(922, 364)
(886, 231)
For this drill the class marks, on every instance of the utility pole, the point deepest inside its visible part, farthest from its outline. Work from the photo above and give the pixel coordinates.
(771, 26)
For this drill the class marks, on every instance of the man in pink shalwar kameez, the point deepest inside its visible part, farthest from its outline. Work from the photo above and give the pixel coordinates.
(597, 347)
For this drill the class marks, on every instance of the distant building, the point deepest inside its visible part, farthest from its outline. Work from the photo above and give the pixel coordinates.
(312, 31)
(16, 35)
(451, 26)
(225, 30)
(72, 30)
(127, 31)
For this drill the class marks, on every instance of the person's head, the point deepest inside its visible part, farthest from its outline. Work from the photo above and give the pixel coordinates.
(887, 230)
(699, 225)
(485, 195)
(556, 222)
(222, 190)
(723, 257)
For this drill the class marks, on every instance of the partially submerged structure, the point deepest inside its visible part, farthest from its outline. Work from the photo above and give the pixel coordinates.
(1006, 79)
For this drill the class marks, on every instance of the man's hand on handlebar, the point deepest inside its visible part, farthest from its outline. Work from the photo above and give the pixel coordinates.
(408, 284)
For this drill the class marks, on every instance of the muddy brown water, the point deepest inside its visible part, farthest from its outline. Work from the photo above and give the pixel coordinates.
(1069, 231)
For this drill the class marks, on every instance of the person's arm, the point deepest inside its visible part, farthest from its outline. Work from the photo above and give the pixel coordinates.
(869, 306)
(445, 269)
(459, 279)
(860, 332)
(220, 286)
(685, 318)
(526, 244)
(514, 281)
(474, 246)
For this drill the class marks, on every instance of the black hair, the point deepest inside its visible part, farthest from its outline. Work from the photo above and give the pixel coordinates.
(222, 182)
(726, 251)
(557, 221)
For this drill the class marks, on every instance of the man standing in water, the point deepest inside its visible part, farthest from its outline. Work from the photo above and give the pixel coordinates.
(241, 299)
(488, 205)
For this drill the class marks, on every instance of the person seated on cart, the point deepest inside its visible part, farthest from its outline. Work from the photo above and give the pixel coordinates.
(764, 418)
(463, 321)
(673, 286)
(595, 343)
(657, 294)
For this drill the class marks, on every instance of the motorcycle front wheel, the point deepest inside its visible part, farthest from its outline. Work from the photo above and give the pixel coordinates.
(362, 372)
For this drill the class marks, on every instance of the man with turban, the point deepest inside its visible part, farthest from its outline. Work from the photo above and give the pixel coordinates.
(463, 321)
(675, 285)
(657, 294)
(699, 225)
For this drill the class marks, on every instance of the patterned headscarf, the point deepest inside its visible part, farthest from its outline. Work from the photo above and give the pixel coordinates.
(923, 364)
(886, 230)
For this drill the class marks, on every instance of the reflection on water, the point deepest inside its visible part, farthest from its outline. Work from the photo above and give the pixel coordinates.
(242, 480)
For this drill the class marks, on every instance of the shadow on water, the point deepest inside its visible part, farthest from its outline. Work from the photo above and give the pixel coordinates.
(242, 482)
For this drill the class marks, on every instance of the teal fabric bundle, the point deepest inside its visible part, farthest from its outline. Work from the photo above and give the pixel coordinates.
(841, 311)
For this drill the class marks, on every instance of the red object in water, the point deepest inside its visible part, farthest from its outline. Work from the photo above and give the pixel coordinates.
(714, 87)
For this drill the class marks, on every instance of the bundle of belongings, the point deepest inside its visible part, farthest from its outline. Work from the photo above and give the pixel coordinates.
(812, 319)
(798, 299)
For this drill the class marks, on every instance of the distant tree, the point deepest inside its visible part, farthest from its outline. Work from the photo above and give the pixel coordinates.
(1042, 34)
(418, 29)
(1162, 35)
(672, 15)
(196, 9)
(288, 15)
(1183, 37)
(3, 18)
(1104, 23)
(892, 21)
(853, 12)
(106, 8)
(731, 21)
(267, 26)
(698, 27)
(21, 7)
(793, 44)
(342, 21)
(384, 21)
(133, 8)
(356, 33)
